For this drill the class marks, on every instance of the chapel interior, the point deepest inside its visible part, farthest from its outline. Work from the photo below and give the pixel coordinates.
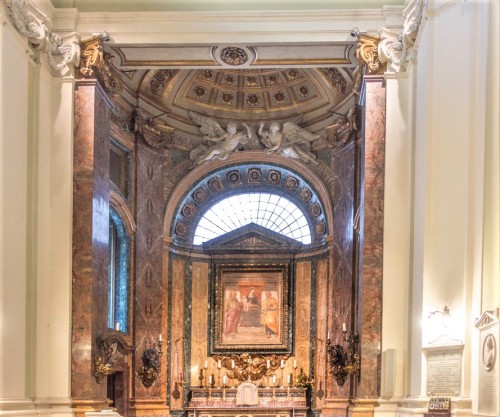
(269, 209)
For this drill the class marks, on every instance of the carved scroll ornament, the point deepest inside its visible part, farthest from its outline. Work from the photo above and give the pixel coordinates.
(96, 62)
(60, 51)
(367, 53)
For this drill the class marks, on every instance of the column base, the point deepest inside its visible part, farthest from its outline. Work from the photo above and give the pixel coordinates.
(81, 407)
(362, 407)
(335, 407)
(149, 408)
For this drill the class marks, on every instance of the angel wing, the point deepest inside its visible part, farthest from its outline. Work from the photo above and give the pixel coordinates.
(295, 134)
(208, 126)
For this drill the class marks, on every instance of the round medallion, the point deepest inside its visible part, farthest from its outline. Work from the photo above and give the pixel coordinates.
(291, 183)
(274, 177)
(233, 56)
(254, 175)
(208, 75)
(199, 195)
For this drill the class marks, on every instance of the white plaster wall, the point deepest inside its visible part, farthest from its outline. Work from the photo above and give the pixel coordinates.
(14, 62)
(450, 208)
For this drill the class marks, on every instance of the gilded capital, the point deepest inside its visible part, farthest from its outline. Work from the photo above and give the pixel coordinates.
(96, 63)
(367, 54)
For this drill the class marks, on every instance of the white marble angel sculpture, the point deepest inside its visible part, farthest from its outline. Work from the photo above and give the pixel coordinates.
(225, 141)
(292, 141)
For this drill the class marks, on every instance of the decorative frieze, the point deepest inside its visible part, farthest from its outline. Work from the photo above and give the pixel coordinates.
(61, 51)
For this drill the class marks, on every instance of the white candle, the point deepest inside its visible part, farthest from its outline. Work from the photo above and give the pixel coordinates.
(232, 363)
(117, 326)
(344, 327)
(210, 379)
(274, 379)
(206, 364)
(219, 364)
(294, 364)
(328, 335)
(224, 379)
(159, 337)
(282, 363)
(268, 364)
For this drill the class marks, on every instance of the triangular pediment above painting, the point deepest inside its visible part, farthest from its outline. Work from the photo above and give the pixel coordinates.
(253, 238)
(488, 319)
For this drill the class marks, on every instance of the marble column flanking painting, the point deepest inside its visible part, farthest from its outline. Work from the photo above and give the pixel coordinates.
(148, 300)
(90, 243)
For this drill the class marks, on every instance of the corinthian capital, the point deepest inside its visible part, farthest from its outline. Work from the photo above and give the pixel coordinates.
(396, 48)
(32, 23)
(367, 54)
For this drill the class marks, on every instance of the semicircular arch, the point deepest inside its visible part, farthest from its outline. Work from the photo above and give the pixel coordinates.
(217, 180)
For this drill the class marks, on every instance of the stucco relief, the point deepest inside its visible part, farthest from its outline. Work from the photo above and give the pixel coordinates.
(61, 51)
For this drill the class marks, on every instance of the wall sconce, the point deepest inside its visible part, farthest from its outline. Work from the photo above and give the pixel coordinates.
(105, 365)
(445, 313)
(344, 363)
(151, 365)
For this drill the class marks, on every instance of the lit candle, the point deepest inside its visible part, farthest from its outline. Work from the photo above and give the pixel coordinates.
(294, 364)
(268, 364)
(344, 327)
(219, 364)
(206, 364)
(117, 326)
(232, 363)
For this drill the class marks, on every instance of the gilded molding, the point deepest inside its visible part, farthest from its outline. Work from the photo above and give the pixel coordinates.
(397, 48)
(61, 51)
(96, 62)
(367, 53)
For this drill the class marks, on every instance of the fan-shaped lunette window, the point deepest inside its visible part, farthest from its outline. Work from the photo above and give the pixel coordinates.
(271, 211)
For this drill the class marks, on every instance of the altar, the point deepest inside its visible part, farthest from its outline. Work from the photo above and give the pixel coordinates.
(269, 402)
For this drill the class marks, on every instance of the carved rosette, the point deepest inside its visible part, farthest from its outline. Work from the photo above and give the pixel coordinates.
(96, 62)
(61, 52)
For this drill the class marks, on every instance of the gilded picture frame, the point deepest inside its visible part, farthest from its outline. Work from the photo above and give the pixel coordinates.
(251, 309)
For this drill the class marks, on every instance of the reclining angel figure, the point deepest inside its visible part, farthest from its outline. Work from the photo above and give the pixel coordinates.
(225, 141)
(292, 141)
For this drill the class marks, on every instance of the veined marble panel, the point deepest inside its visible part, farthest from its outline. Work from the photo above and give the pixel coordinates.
(303, 315)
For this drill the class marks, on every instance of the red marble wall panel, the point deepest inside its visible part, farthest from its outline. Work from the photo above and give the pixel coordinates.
(340, 291)
(320, 354)
(177, 329)
(149, 261)
(373, 232)
(90, 237)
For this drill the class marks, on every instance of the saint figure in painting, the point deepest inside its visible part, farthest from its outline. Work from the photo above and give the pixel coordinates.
(250, 316)
(233, 311)
(270, 315)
